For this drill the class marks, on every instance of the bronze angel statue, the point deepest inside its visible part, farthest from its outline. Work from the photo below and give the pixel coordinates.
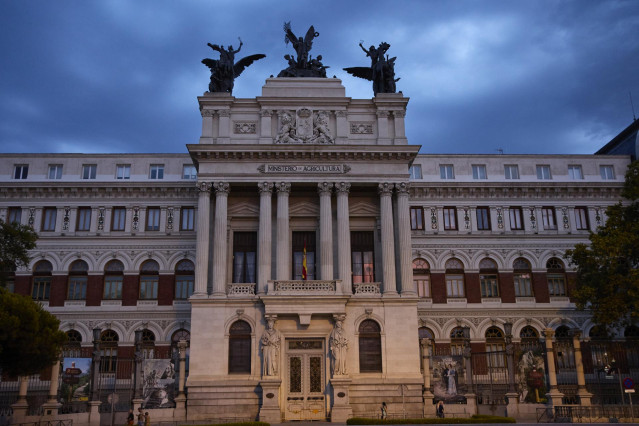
(225, 70)
(382, 69)
(304, 65)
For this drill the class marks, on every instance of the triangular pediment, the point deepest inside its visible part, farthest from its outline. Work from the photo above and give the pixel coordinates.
(304, 208)
(363, 208)
(244, 208)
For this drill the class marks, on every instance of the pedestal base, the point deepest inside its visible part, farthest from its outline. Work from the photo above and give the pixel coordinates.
(50, 409)
(471, 403)
(341, 410)
(555, 397)
(585, 397)
(512, 410)
(94, 413)
(430, 410)
(180, 407)
(270, 411)
(19, 408)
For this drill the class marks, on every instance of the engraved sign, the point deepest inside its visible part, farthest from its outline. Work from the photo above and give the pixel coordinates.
(304, 168)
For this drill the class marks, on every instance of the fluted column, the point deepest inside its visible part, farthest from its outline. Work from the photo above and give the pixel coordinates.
(202, 239)
(264, 238)
(553, 393)
(283, 271)
(388, 240)
(325, 190)
(219, 237)
(405, 247)
(344, 237)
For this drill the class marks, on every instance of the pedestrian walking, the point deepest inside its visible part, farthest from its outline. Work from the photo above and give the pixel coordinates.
(384, 410)
(440, 409)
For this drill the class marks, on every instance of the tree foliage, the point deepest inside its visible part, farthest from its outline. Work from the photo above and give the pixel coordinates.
(607, 268)
(15, 242)
(30, 339)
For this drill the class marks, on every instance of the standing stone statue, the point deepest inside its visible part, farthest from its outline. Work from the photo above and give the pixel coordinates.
(304, 65)
(381, 71)
(339, 346)
(271, 340)
(225, 70)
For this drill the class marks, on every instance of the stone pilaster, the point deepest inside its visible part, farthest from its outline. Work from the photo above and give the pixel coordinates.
(180, 399)
(202, 240)
(325, 191)
(219, 238)
(388, 239)
(283, 271)
(224, 130)
(265, 126)
(344, 237)
(264, 237)
(382, 126)
(208, 116)
(403, 226)
(554, 396)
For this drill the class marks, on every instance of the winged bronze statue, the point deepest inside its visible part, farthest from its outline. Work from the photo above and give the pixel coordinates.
(225, 70)
(382, 69)
(304, 65)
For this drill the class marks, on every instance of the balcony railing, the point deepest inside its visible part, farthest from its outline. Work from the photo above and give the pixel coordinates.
(302, 287)
(241, 289)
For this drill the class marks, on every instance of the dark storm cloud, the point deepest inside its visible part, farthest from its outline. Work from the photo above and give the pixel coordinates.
(122, 76)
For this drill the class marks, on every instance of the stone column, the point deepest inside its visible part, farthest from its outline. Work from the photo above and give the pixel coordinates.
(554, 395)
(388, 239)
(283, 271)
(512, 396)
(202, 240)
(180, 399)
(344, 237)
(264, 238)
(265, 126)
(325, 190)
(429, 407)
(53, 385)
(23, 388)
(95, 365)
(405, 247)
(219, 238)
(584, 396)
(471, 397)
(21, 406)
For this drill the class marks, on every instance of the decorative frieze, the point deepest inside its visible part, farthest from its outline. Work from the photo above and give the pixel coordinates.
(361, 128)
(65, 219)
(135, 225)
(244, 127)
(101, 211)
(169, 219)
(301, 169)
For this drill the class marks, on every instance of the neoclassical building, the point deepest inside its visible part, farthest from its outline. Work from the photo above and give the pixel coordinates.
(313, 264)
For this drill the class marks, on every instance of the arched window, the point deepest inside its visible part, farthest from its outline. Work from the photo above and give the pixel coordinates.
(421, 277)
(108, 351)
(488, 278)
(184, 279)
(556, 277)
(41, 280)
(77, 288)
(496, 345)
(522, 277)
(72, 347)
(426, 333)
(148, 344)
(455, 278)
(457, 341)
(149, 272)
(240, 347)
(370, 347)
(113, 277)
(564, 348)
(529, 338)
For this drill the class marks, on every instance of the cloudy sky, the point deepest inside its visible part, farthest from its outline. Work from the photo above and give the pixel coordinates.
(527, 76)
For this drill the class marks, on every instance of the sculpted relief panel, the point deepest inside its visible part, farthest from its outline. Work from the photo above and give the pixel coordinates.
(304, 127)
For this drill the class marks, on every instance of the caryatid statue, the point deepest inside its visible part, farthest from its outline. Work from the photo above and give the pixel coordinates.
(339, 346)
(225, 70)
(271, 341)
(382, 69)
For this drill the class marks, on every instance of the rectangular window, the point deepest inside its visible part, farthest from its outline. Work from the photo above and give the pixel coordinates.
(556, 284)
(41, 286)
(416, 218)
(20, 171)
(189, 172)
(415, 171)
(148, 287)
(77, 288)
(123, 171)
(574, 172)
(244, 257)
(48, 219)
(303, 241)
(153, 219)
(184, 286)
(483, 218)
(422, 282)
(489, 286)
(455, 285)
(581, 218)
(479, 171)
(362, 246)
(118, 219)
(523, 284)
(543, 172)
(14, 215)
(450, 218)
(112, 287)
(511, 171)
(84, 219)
(516, 218)
(607, 172)
(187, 222)
(446, 171)
(55, 171)
(548, 218)
(156, 171)
(89, 171)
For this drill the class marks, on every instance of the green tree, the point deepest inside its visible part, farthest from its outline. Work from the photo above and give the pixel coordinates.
(29, 336)
(607, 268)
(15, 242)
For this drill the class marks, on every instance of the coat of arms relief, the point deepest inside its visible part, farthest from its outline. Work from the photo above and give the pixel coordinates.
(304, 127)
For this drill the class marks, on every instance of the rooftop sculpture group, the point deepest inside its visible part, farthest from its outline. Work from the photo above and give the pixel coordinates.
(304, 65)
(381, 71)
(224, 70)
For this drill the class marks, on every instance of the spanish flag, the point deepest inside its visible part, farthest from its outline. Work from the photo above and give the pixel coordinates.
(304, 276)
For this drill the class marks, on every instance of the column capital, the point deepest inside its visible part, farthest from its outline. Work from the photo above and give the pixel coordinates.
(284, 187)
(265, 187)
(385, 189)
(399, 114)
(549, 333)
(340, 113)
(222, 187)
(266, 112)
(402, 188)
(208, 112)
(342, 187)
(383, 114)
(204, 187)
(324, 188)
(224, 112)
(575, 333)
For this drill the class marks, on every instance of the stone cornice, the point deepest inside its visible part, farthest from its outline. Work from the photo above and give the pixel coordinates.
(99, 190)
(423, 191)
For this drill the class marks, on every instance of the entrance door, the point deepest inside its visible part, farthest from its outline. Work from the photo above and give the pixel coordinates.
(305, 398)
